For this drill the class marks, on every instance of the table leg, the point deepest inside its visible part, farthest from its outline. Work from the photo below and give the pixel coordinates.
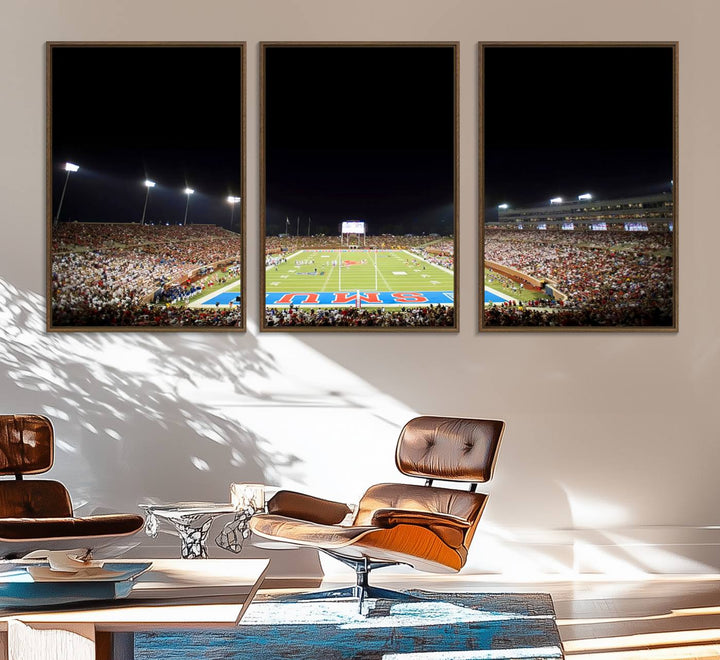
(235, 532)
(193, 540)
(114, 645)
(151, 524)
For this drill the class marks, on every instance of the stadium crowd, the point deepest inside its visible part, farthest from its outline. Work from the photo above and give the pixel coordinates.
(417, 317)
(74, 236)
(610, 280)
(444, 258)
(275, 244)
(108, 274)
(433, 250)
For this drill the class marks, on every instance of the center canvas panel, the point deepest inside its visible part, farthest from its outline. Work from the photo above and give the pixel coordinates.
(359, 186)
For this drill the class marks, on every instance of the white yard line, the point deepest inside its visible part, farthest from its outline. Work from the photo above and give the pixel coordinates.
(327, 279)
(382, 276)
(417, 256)
(286, 259)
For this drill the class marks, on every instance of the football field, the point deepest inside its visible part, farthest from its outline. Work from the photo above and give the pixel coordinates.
(339, 278)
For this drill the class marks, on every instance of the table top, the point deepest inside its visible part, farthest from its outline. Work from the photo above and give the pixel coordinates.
(189, 508)
(174, 593)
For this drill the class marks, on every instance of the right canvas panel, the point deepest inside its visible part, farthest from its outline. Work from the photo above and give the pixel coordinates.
(578, 180)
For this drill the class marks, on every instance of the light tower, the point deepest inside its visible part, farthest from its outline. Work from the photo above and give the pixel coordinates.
(232, 201)
(148, 184)
(188, 192)
(69, 167)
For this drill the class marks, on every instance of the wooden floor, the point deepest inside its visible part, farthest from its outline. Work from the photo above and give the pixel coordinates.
(659, 618)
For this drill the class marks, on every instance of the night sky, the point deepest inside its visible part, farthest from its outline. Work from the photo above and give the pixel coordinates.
(124, 114)
(562, 121)
(360, 133)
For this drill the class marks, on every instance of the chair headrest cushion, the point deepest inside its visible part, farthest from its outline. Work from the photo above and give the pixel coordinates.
(26, 444)
(449, 448)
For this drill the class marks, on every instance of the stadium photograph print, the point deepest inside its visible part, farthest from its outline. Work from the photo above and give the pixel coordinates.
(359, 186)
(578, 183)
(145, 192)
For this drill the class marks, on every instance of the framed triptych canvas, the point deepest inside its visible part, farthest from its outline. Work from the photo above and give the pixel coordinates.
(578, 186)
(145, 169)
(358, 195)
(359, 186)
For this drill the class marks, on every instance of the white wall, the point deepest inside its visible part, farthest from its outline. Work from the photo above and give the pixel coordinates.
(610, 461)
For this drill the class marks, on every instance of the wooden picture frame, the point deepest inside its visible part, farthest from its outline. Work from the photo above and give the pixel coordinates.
(359, 186)
(145, 186)
(578, 186)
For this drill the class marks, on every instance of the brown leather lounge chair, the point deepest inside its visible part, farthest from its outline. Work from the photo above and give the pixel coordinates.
(427, 527)
(38, 514)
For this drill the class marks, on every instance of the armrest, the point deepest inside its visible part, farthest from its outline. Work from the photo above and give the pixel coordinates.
(306, 507)
(392, 517)
(451, 529)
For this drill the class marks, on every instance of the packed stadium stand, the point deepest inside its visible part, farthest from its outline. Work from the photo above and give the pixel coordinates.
(125, 274)
(603, 263)
(417, 317)
(380, 241)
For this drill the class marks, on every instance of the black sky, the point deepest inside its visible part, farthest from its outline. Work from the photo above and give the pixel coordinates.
(123, 114)
(363, 133)
(562, 121)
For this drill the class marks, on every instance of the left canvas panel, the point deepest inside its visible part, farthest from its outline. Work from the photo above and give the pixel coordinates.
(145, 186)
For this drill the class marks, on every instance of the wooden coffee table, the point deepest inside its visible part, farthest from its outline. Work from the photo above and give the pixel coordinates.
(174, 593)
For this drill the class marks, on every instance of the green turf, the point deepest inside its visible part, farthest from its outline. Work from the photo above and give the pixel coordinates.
(520, 294)
(418, 275)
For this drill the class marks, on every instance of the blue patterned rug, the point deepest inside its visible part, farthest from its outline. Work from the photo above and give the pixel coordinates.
(443, 626)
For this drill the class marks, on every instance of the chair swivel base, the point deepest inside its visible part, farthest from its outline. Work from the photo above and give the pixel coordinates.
(362, 589)
(352, 593)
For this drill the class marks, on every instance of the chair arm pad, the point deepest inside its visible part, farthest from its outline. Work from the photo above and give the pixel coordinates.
(451, 529)
(306, 507)
(392, 517)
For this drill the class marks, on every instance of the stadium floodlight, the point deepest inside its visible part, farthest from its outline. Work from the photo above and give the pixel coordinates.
(584, 196)
(69, 167)
(148, 184)
(232, 201)
(503, 206)
(188, 192)
(556, 200)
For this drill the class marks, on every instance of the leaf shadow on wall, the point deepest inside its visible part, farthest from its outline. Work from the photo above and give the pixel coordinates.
(128, 428)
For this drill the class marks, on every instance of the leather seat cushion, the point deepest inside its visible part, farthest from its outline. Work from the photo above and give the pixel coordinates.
(413, 497)
(22, 529)
(407, 544)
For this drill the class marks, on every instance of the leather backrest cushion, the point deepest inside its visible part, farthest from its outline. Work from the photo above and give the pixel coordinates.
(449, 448)
(26, 444)
(413, 497)
(36, 498)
